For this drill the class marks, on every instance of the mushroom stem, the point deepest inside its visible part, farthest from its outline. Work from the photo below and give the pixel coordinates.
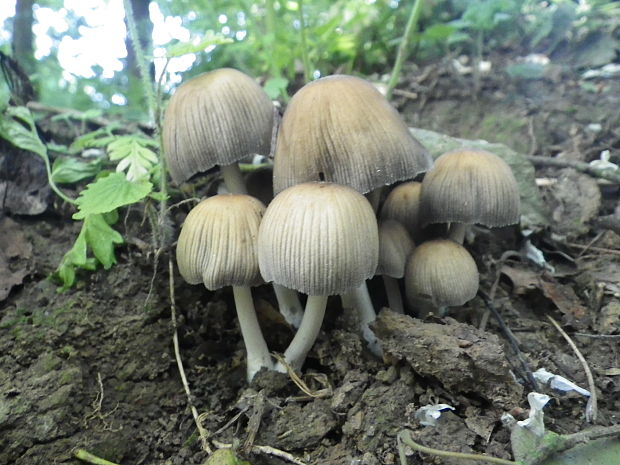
(395, 300)
(366, 313)
(307, 333)
(233, 179)
(290, 306)
(257, 352)
(457, 232)
(374, 197)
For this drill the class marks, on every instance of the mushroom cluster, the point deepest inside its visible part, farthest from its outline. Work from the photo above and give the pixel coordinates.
(339, 139)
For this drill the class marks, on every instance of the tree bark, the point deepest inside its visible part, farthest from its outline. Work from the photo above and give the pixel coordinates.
(22, 43)
(135, 94)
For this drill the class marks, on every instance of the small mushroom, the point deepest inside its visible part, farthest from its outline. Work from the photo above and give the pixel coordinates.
(320, 239)
(341, 129)
(217, 118)
(395, 246)
(469, 186)
(403, 205)
(217, 246)
(441, 272)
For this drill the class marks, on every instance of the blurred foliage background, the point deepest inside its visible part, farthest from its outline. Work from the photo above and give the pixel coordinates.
(268, 38)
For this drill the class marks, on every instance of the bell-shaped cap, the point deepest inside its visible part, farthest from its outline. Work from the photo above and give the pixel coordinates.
(216, 118)
(341, 129)
(470, 186)
(218, 241)
(395, 246)
(318, 238)
(403, 205)
(443, 272)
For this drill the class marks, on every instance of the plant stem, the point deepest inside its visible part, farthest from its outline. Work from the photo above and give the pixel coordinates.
(405, 437)
(308, 331)
(403, 47)
(289, 304)
(395, 299)
(86, 456)
(52, 184)
(233, 179)
(304, 43)
(257, 352)
(366, 313)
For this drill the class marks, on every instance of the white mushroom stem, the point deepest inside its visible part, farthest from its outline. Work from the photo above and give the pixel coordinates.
(290, 306)
(295, 354)
(457, 232)
(257, 352)
(360, 299)
(395, 299)
(233, 179)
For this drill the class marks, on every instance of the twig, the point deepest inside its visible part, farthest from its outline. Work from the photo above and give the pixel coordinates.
(267, 450)
(321, 393)
(86, 456)
(405, 437)
(403, 47)
(177, 355)
(599, 336)
(592, 248)
(592, 407)
(511, 340)
(609, 175)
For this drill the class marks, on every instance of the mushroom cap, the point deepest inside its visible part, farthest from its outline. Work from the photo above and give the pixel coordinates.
(318, 238)
(341, 129)
(395, 245)
(218, 241)
(443, 272)
(470, 186)
(216, 118)
(403, 205)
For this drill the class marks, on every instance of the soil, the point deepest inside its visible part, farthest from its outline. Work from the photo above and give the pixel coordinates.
(94, 367)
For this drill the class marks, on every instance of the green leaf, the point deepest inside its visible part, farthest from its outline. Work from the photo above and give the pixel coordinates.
(17, 126)
(134, 154)
(110, 192)
(69, 170)
(275, 87)
(101, 238)
(197, 45)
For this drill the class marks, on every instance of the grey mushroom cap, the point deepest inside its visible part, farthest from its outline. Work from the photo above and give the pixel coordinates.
(318, 238)
(216, 118)
(395, 246)
(217, 245)
(470, 186)
(341, 129)
(443, 272)
(403, 205)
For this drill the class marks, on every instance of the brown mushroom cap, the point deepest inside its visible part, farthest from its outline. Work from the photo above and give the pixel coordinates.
(318, 238)
(216, 118)
(217, 243)
(443, 272)
(341, 129)
(395, 245)
(403, 205)
(470, 186)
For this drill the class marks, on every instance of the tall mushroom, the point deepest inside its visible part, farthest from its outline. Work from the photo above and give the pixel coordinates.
(469, 186)
(217, 246)
(320, 239)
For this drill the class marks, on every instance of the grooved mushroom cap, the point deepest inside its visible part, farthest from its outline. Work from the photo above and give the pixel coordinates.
(403, 205)
(217, 243)
(443, 272)
(341, 129)
(470, 186)
(216, 118)
(395, 245)
(318, 238)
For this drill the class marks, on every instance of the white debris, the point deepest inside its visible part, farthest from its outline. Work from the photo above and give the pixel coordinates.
(429, 414)
(535, 422)
(603, 162)
(535, 255)
(558, 383)
(608, 71)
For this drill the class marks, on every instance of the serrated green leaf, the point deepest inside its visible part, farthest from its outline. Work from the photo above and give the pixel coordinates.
(69, 170)
(102, 239)
(134, 154)
(99, 138)
(275, 87)
(108, 193)
(195, 46)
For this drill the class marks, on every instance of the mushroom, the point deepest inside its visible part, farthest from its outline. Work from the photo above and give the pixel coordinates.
(320, 239)
(441, 272)
(469, 186)
(217, 246)
(395, 246)
(403, 205)
(217, 118)
(341, 129)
